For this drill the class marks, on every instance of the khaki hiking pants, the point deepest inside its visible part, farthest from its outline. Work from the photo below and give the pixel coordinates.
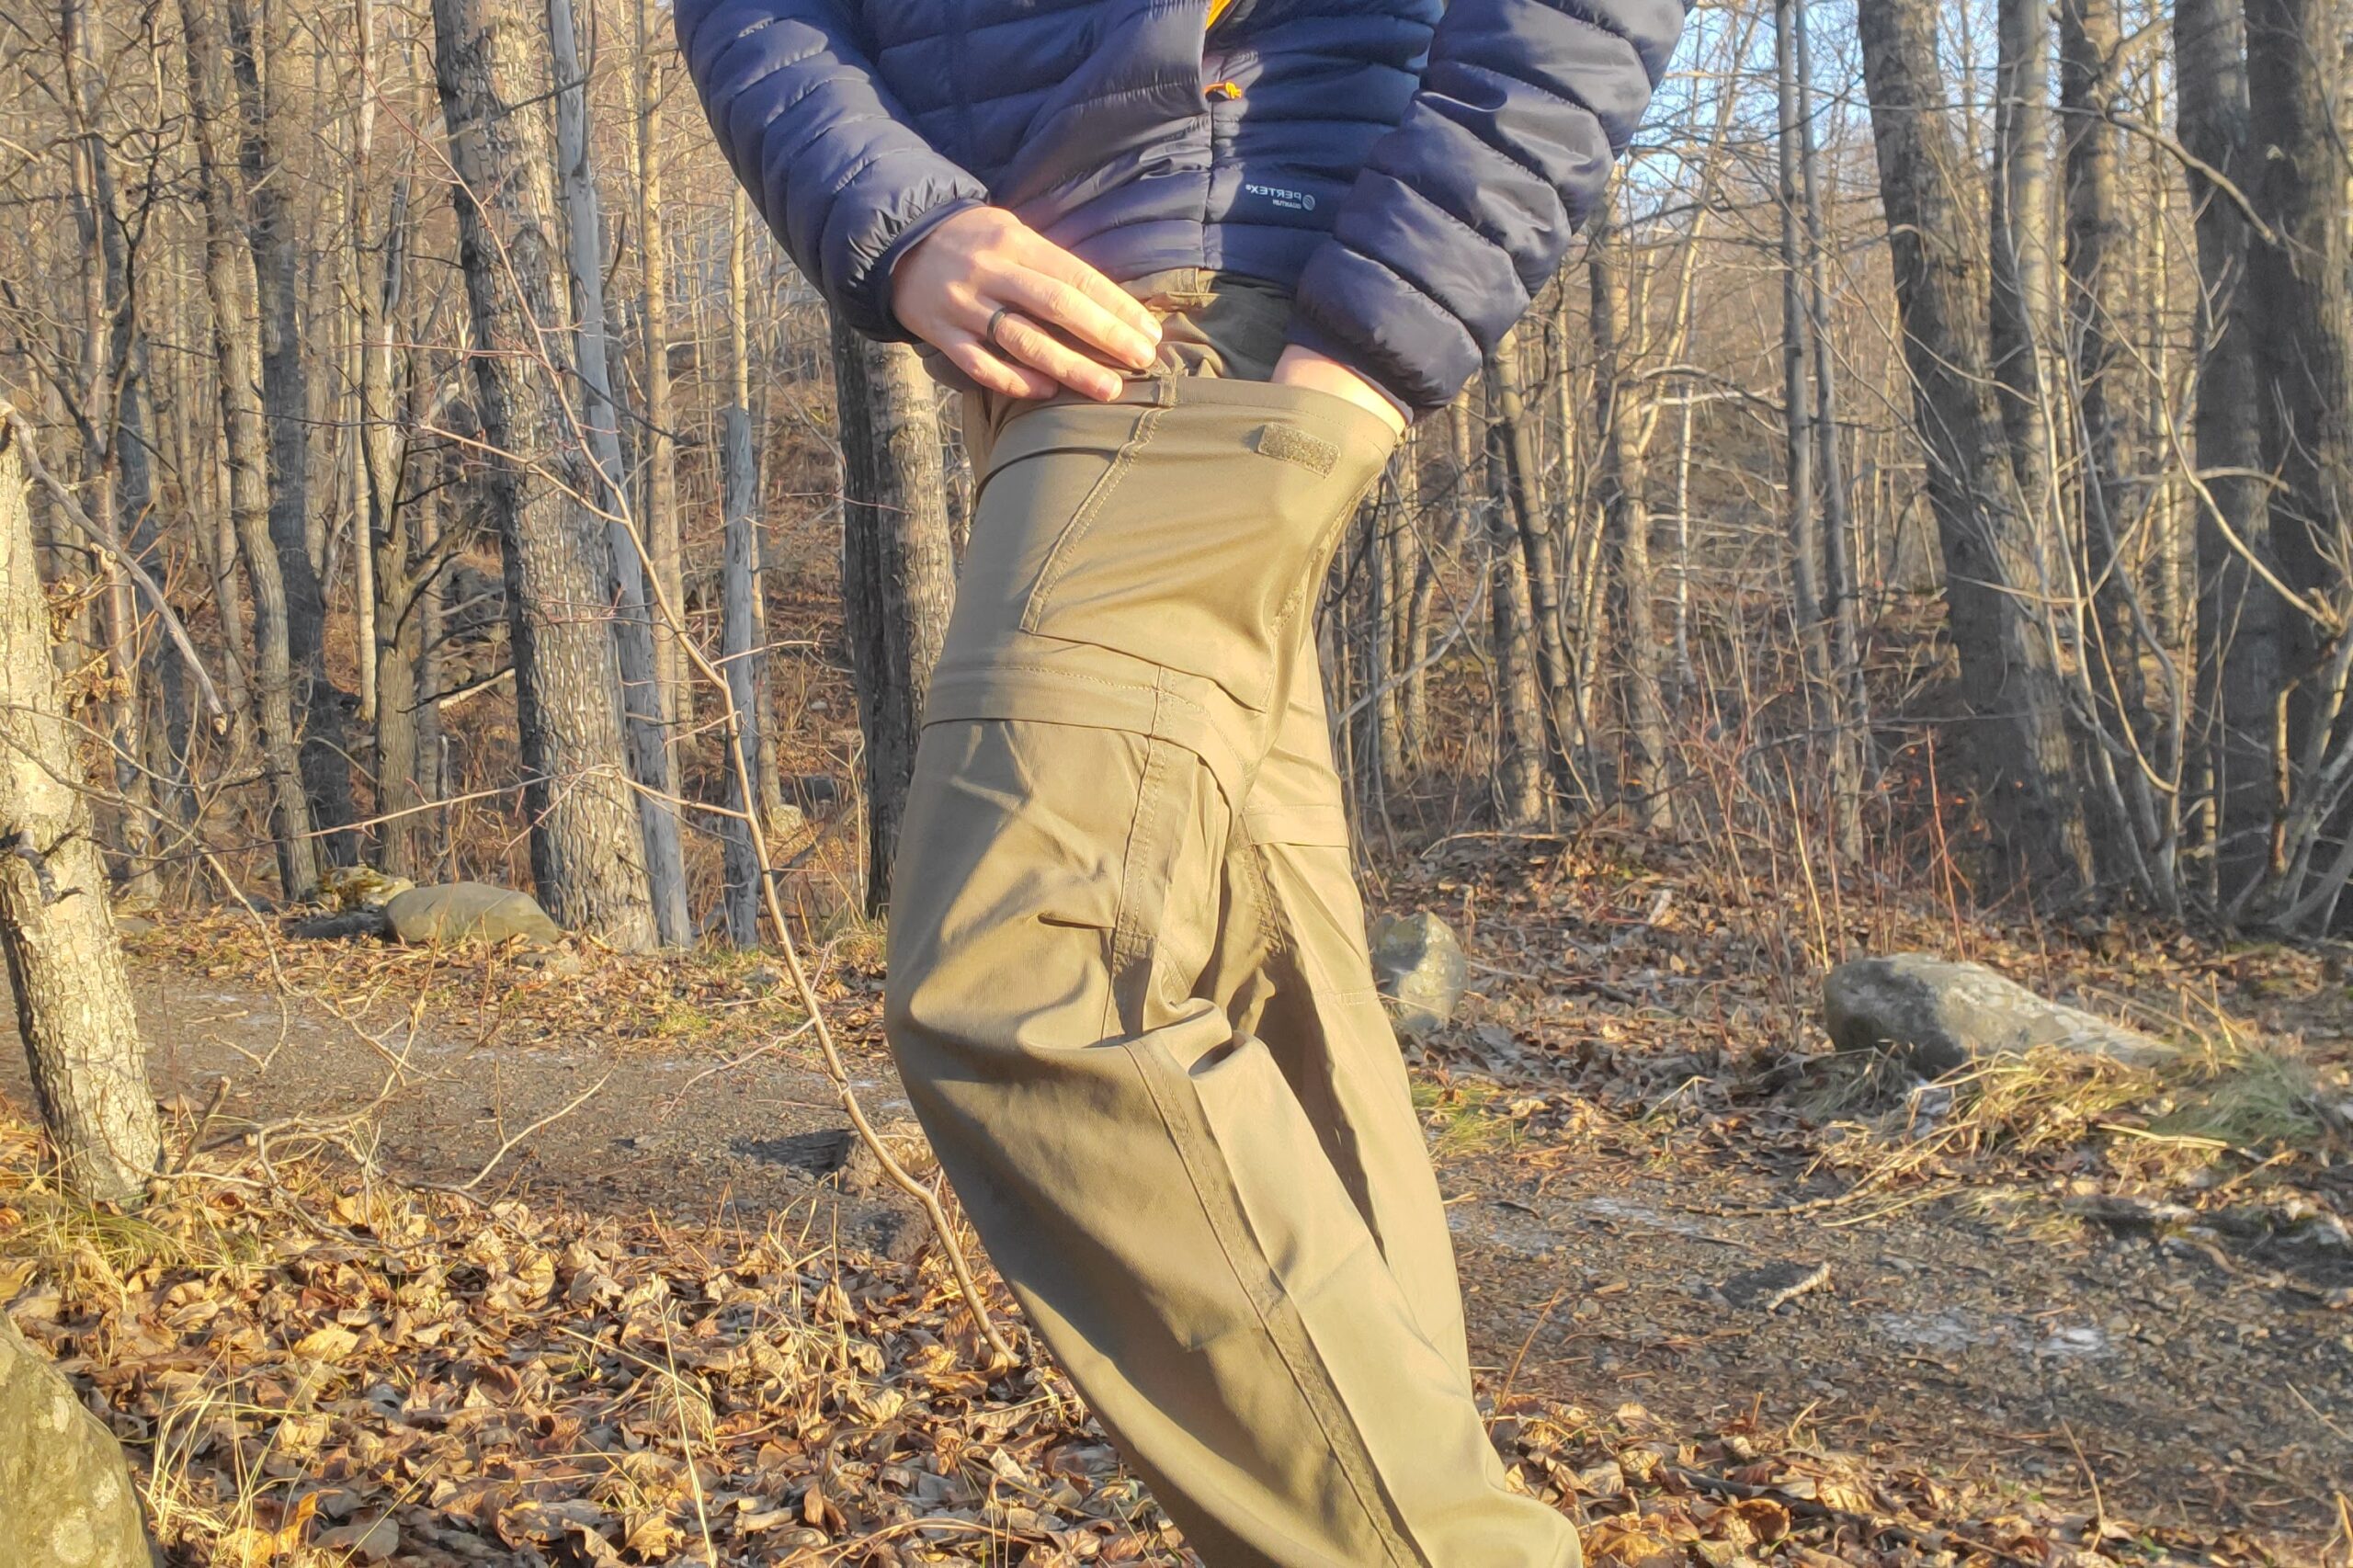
(1130, 994)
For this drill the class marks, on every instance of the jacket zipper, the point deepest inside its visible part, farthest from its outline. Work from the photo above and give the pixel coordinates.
(1220, 10)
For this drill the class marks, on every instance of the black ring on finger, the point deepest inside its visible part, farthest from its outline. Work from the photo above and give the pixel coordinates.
(995, 321)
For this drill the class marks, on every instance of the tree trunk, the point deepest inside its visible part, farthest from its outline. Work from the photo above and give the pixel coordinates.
(2009, 684)
(115, 459)
(378, 268)
(73, 1008)
(1625, 481)
(1519, 712)
(229, 281)
(426, 622)
(898, 572)
(2024, 307)
(2241, 657)
(739, 361)
(745, 663)
(2098, 310)
(660, 456)
(2298, 289)
(649, 739)
(1840, 589)
(1808, 605)
(274, 235)
(1556, 684)
(586, 841)
(1413, 708)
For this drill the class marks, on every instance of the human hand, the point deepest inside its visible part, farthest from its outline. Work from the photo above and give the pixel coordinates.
(1305, 368)
(983, 288)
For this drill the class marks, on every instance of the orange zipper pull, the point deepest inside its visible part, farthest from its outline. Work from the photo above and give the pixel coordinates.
(1226, 90)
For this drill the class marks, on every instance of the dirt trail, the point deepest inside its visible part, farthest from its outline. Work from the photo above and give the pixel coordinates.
(2204, 1389)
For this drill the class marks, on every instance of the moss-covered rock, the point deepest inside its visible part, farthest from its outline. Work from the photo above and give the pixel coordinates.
(66, 1500)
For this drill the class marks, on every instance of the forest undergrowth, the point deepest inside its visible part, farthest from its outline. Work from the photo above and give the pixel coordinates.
(315, 1362)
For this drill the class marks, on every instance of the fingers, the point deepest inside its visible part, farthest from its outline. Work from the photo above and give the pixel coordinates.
(1024, 341)
(1111, 323)
(1099, 292)
(1057, 313)
(992, 372)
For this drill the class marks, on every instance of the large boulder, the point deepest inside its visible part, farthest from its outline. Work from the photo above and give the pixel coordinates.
(469, 911)
(1418, 962)
(1945, 1016)
(66, 1500)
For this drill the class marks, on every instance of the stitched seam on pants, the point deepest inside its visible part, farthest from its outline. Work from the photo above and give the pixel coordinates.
(1134, 933)
(1291, 1342)
(1054, 672)
(1272, 930)
(1134, 864)
(1082, 521)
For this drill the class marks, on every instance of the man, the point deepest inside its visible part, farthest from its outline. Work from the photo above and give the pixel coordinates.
(1197, 262)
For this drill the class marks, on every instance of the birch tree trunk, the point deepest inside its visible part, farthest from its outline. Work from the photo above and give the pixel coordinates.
(649, 739)
(585, 842)
(73, 1008)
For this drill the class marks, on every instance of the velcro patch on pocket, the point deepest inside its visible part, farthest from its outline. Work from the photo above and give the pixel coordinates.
(1291, 445)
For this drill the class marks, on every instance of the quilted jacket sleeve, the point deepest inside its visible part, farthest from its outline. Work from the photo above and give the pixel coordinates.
(831, 161)
(1462, 211)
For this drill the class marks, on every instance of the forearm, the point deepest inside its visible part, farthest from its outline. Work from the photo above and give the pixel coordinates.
(832, 162)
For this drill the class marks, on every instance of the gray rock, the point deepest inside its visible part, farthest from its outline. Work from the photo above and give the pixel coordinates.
(66, 1500)
(1418, 962)
(460, 912)
(1947, 1015)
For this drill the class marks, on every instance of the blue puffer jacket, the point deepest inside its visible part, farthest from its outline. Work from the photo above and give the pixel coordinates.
(1414, 176)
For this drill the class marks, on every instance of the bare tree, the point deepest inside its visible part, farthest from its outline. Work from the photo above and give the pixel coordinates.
(1808, 553)
(73, 1008)
(897, 569)
(273, 232)
(228, 283)
(1625, 485)
(1992, 556)
(2240, 615)
(2300, 285)
(649, 741)
(555, 547)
